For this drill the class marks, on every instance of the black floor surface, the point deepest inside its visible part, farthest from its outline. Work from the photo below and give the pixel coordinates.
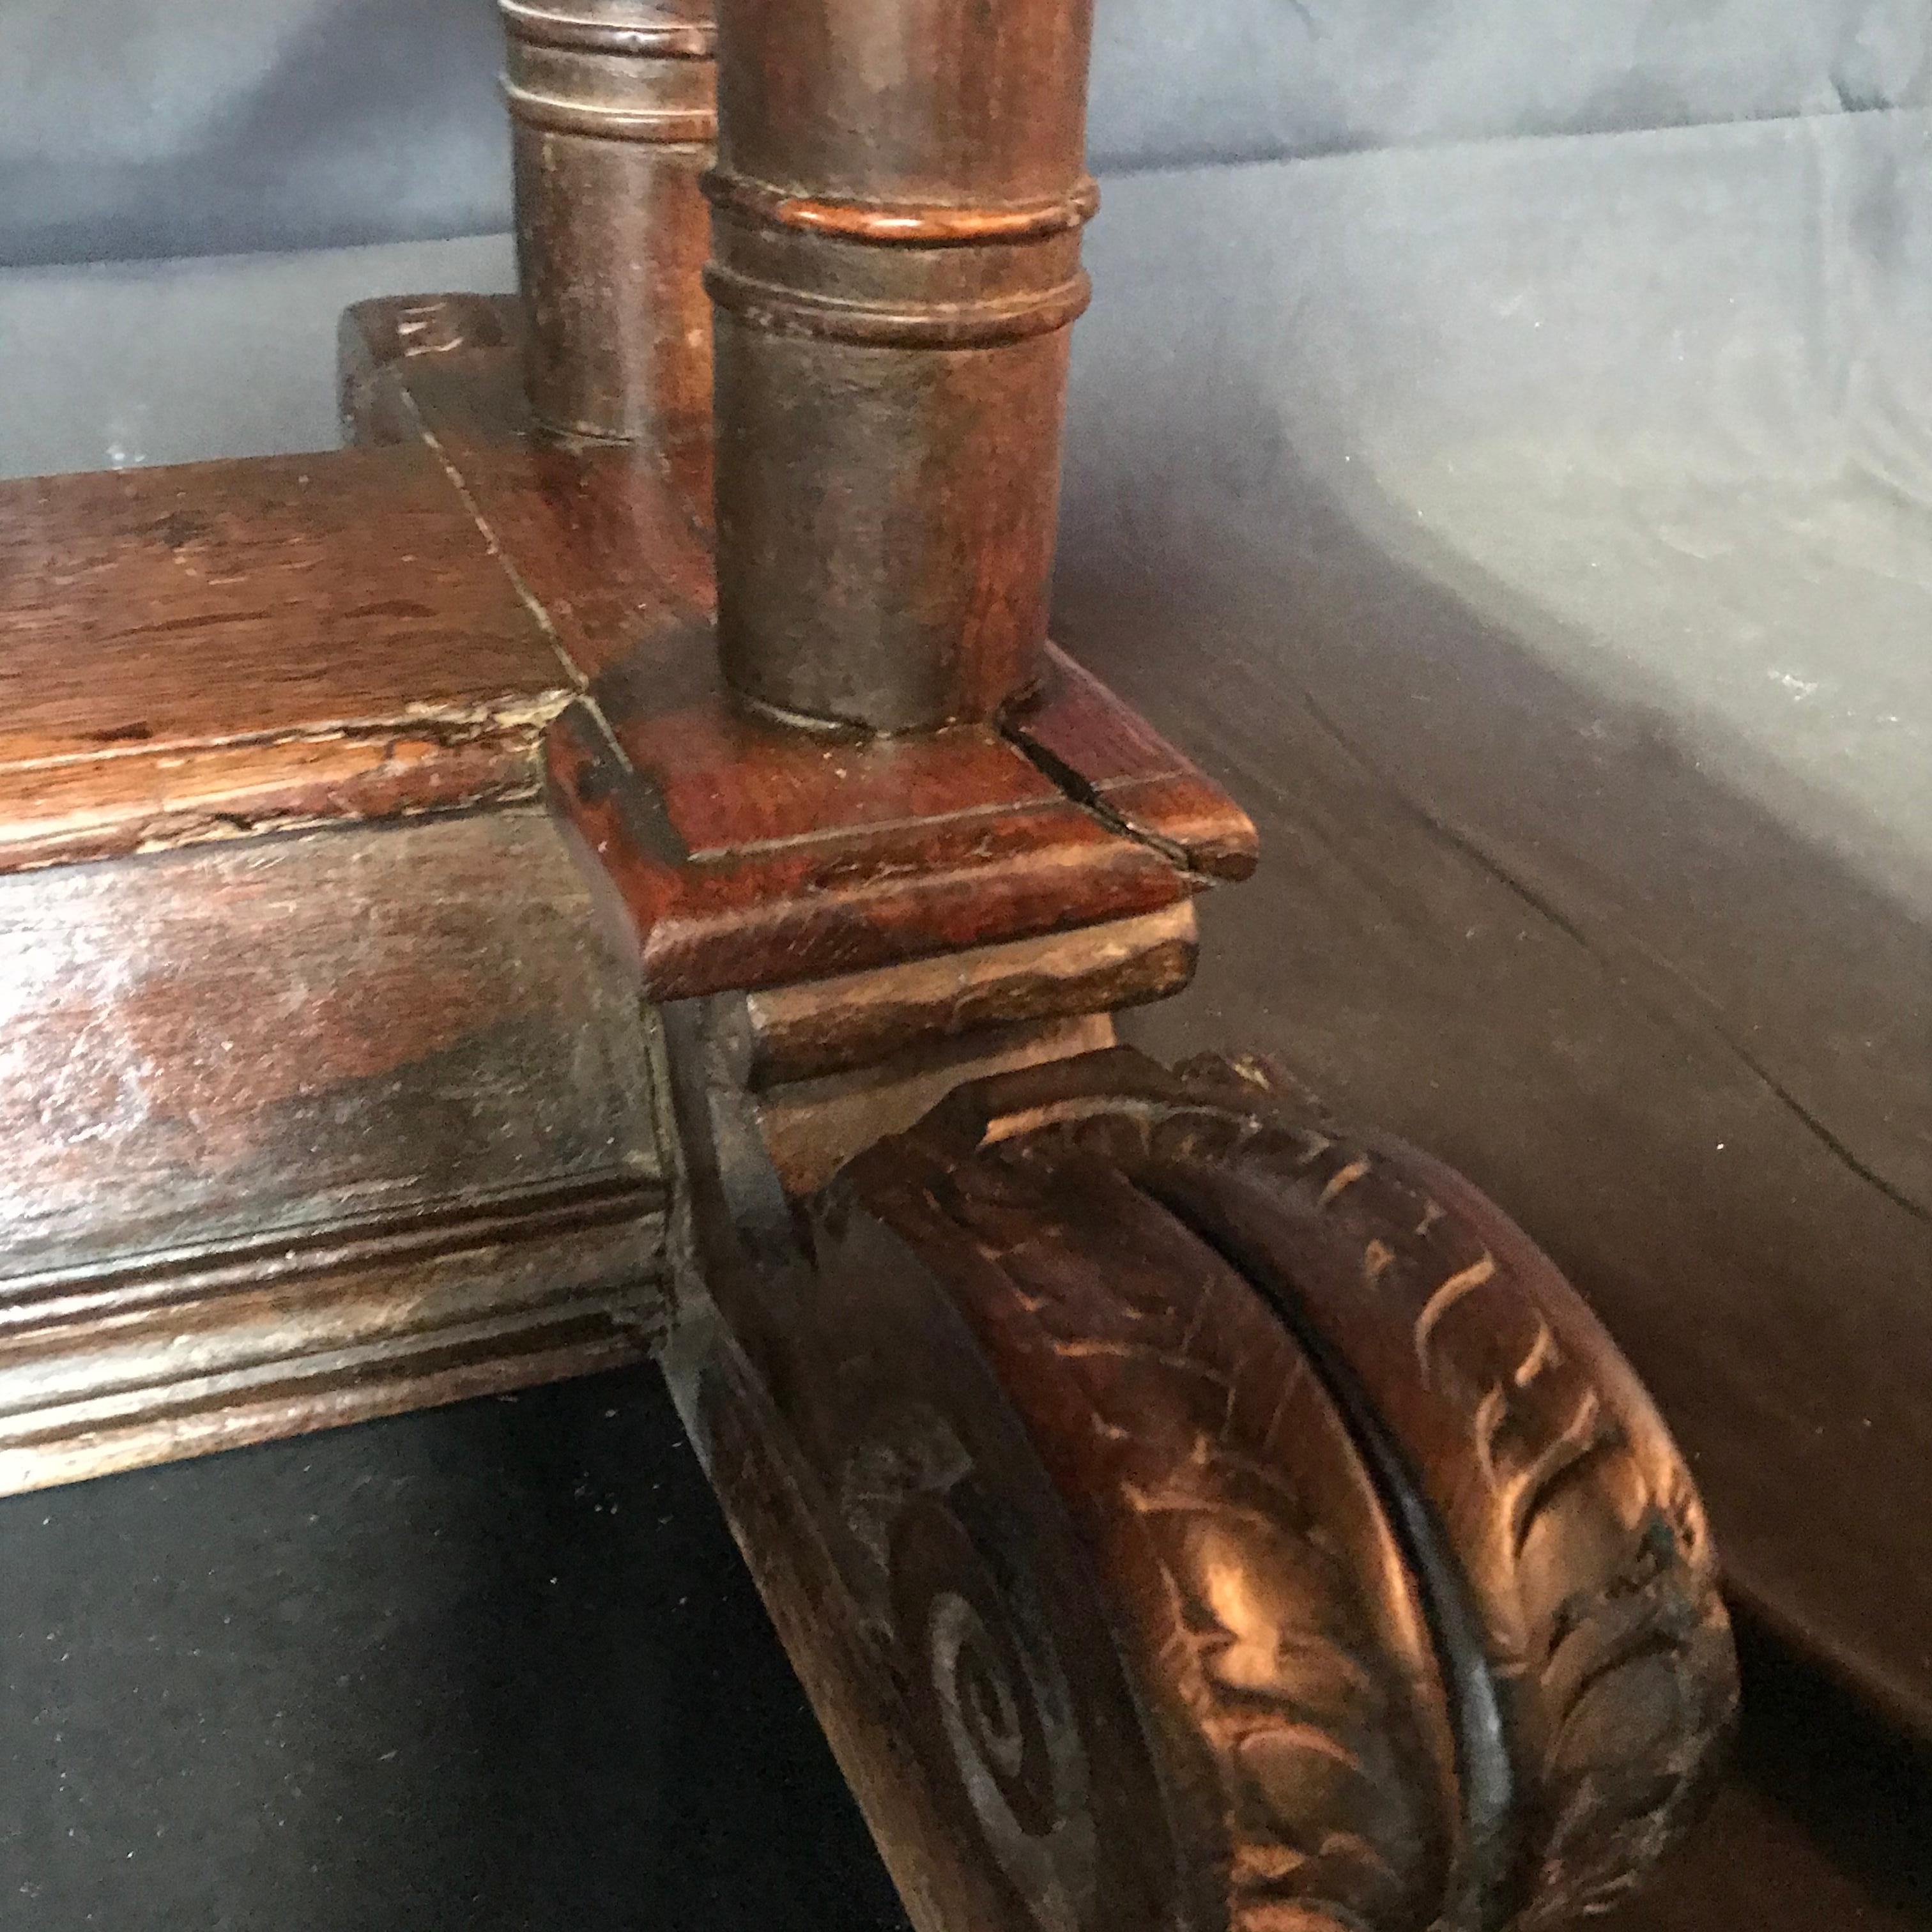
(497, 1666)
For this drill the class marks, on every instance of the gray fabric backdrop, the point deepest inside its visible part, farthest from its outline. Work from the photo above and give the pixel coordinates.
(163, 127)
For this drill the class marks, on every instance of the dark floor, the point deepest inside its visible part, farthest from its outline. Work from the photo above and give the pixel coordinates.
(493, 1667)
(498, 1667)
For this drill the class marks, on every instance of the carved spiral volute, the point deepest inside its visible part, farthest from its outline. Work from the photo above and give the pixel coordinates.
(1259, 1534)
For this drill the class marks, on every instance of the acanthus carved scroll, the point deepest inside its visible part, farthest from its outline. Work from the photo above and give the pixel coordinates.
(1416, 1599)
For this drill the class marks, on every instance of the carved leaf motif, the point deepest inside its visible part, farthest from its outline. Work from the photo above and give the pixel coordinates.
(1569, 1510)
(1263, 1633)
(1413, 1593)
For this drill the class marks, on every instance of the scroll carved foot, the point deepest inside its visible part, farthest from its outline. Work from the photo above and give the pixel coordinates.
(1244, 1526)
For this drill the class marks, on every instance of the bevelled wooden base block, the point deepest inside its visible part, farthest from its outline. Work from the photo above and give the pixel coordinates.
(744, 851)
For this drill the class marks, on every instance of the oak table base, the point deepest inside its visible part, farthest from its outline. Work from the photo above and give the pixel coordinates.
(1181, 1511)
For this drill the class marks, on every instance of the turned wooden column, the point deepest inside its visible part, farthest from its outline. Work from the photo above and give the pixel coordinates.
(896, 267)
(612, 106)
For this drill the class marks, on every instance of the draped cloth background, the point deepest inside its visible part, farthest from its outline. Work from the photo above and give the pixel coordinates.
(140, 128)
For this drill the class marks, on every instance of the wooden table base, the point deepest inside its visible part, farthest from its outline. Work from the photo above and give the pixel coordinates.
(1183, 1510)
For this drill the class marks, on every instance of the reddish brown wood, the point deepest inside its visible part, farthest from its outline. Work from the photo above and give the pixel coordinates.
(293, 1129)
(371, 337)
(745, 853)
(98, 809)
(1131, 1602)
(1105, 754)
(812, 1128)
(849, 898)
(735, 783)
(1729, 1184)
(607, 544)
(1559, 1498)
(1112, 1497)
(613, 110)
(195, 652)
(1180, 1515)
(1295, 1707)
(253, 1036)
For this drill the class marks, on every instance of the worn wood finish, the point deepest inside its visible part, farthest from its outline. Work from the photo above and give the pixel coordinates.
(613, 113)
(372, 337)
(270, 684)
(979, 865)
(812, 1128)
(1180, 1514)
(833, 1026)
(254, 1037)
(731, 783)
(1106, 755)
(896, 265)
(194, 652)
(609, 544)
(177, 1355)
(294, 1126)
(1161, 1543)
(295, 1129)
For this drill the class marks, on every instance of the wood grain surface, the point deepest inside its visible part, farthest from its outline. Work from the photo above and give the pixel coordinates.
(608, 542)
(178, 1356)
(1587, 1597)
(1764, 1263)
(1036, 1417)
(833, 1026)
(213, 1045)
(194, 652)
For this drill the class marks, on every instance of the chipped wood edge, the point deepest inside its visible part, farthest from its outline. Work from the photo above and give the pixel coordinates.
(166, 798)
